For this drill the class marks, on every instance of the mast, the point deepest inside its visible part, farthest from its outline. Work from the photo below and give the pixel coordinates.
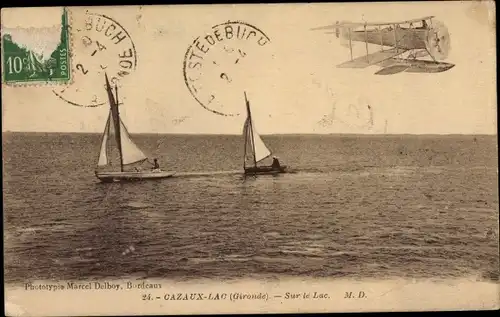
(119, 127)
(245, 148)
(246, 135)
(116, 118)
(249, 115)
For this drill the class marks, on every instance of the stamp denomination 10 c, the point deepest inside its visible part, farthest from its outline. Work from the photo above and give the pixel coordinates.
(36, 54)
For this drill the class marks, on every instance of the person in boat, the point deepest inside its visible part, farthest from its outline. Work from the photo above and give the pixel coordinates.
(424, 25)
(276, 163)
(155, 164)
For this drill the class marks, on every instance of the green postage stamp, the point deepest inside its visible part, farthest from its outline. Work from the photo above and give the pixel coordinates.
(36, 53)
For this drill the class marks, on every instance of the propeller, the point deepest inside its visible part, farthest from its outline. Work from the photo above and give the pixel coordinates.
(344, 37)
(437, 40)
(342, 32)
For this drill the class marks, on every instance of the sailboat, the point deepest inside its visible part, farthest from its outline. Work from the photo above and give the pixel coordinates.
(257, 149)
(128, 152)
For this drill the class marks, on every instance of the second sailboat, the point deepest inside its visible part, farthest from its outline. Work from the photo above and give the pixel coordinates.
(256, 150)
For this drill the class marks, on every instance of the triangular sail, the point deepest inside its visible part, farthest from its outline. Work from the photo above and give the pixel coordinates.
(130, 151)
(260, 149)
(248, 143)
(103, 155)
(114, 116)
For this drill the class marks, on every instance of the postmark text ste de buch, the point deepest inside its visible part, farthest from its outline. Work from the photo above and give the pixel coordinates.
(213, 58)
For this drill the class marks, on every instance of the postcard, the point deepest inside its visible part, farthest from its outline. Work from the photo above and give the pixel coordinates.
(250, 158)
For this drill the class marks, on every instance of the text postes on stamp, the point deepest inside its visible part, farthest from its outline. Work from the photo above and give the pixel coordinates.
(100, 44)
(36, 54)
(215, 65)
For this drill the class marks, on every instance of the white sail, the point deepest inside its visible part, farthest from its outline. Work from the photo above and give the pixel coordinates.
(103, 155)
(115, 128)
(130, 152)
(248, 140)
(258, 146)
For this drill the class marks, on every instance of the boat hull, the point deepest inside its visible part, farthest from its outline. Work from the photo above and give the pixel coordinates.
(110, 177)
(265, 170)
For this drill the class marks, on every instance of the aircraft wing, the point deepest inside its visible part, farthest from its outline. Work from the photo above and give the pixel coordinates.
(400, 22)
(371, 59)
(327, 27)
(361, 24)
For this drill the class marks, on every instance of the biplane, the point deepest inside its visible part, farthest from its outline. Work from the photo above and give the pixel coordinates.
(402, 45)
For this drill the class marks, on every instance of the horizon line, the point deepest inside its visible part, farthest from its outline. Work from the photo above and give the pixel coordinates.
(268, 134)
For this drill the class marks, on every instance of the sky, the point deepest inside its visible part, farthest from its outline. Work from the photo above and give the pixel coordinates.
(292, 82)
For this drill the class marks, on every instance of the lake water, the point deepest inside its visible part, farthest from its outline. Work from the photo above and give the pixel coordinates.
(357, 207)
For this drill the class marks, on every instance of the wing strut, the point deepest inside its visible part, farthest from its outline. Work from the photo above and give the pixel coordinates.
(381, 38)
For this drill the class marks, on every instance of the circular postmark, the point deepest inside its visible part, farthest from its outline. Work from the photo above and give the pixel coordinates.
(217, 64)
(100, 45)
